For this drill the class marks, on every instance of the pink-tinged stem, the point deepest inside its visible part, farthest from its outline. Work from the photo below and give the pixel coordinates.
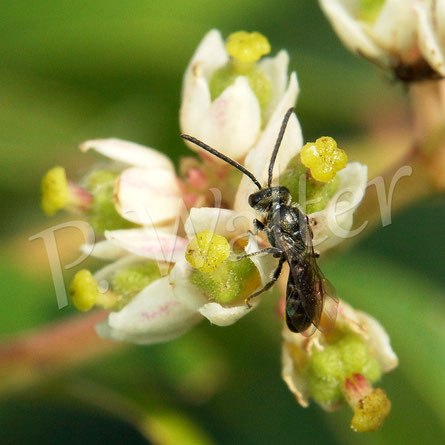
(355, 388)
(41, 353)
(79, 198)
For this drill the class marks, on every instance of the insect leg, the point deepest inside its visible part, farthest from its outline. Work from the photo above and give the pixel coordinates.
(272, 250)
(275, 277)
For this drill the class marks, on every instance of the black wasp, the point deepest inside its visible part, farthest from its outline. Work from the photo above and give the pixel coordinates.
(309, 295)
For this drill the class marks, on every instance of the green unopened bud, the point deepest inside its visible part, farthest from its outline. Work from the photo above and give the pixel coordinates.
(230, 281)
(131, 280)
(311, 194)
(327, 363)
(54, 191)
(329, 367)
(207, 251)
(324, 391)
(356, 358)
(369, 10)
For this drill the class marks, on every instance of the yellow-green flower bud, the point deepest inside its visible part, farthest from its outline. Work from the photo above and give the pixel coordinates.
(207, 251)
(247, 47)
(328, 368)
(357, 359)
(55, 191)
(324, 391)
(84, 290)
(369, 10)
(323, 158)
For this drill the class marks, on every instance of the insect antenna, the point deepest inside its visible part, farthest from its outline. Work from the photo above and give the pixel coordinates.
(278, 143)
(223, 157)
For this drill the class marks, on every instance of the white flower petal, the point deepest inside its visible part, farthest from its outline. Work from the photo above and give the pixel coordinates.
(223, 222)
(395, 28)
(195, 104)
(341, 14)
(128, 153)
(148, 196)
(440, 20)
(293, 375)
(104, 250)
(432, 48)
(333, 223)
(230, 124)
(275, 69)
(378, 342)
(188, 294)
(224, 315)
(105, 275)
(209, 56)
(266, 264)
(257, 161)
(153, 316)
(149, 243)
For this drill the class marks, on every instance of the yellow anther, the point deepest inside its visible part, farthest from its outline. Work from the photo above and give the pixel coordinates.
(247, 46)
(54, 190)
(371, 411)
(207, 251)
(323, 158)
(84, 290)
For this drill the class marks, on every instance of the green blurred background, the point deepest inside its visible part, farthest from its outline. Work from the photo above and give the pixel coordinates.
(75, 70)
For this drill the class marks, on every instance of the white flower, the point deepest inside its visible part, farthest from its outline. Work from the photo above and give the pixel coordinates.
(147, 191)
(232, 122)
(154, 315)
(297, 349)
(171, 305)
(431, 29)
(397, 34)
(332, 224)
(221, 222)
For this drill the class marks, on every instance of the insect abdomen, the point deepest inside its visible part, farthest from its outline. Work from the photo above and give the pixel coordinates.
(297, 317)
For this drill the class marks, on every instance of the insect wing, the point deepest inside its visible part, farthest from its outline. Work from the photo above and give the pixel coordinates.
(318, 297)
(330, 306)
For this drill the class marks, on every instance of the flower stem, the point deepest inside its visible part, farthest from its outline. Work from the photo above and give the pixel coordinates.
(40, 354)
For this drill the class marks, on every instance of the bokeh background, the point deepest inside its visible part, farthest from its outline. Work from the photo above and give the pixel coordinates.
(75, 70)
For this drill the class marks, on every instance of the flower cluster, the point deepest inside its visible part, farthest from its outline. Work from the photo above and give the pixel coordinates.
(174, 241)
(407, 36)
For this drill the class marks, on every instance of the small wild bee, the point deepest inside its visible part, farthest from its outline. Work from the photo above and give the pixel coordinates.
(309, 295)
